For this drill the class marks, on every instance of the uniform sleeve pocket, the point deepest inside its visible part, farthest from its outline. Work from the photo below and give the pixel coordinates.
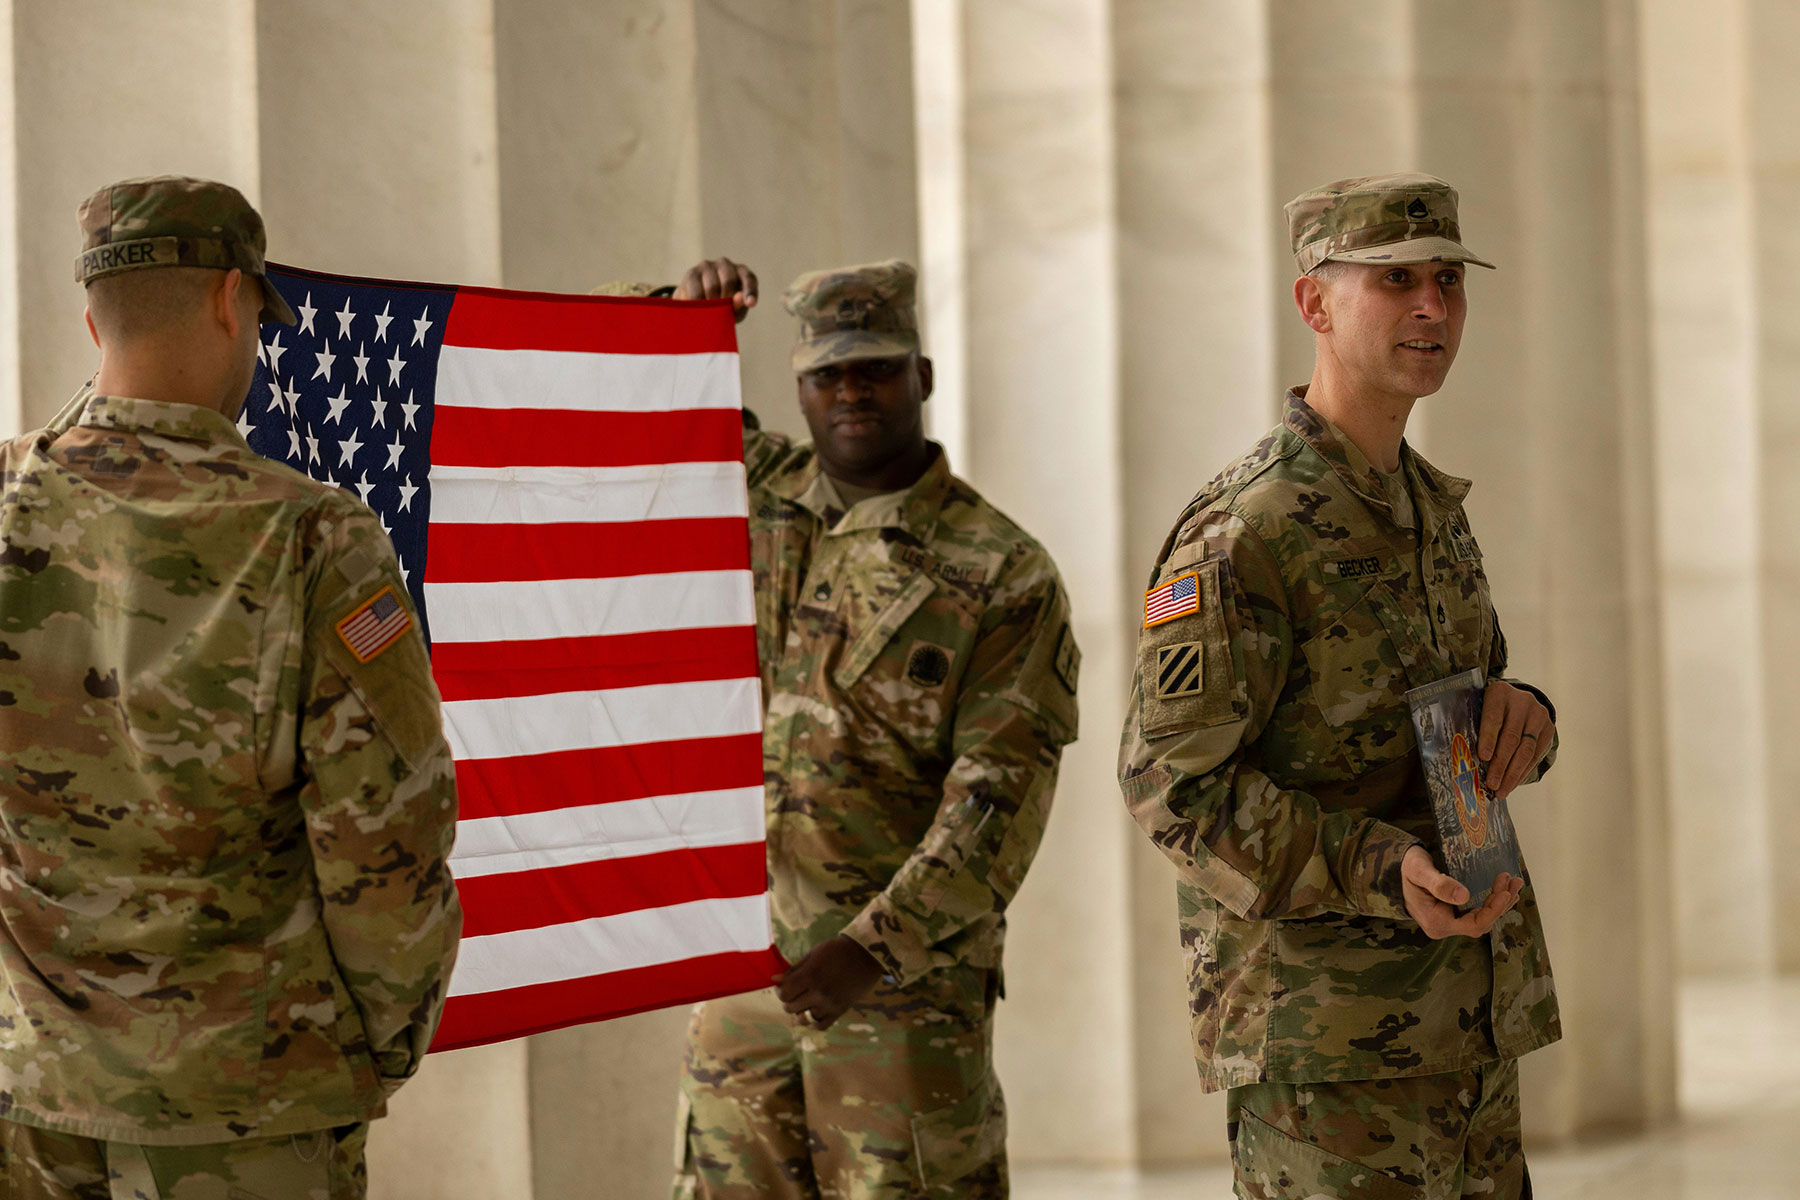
(397, 689)
(1187, 666)
(870, 642)
(1270, 1163)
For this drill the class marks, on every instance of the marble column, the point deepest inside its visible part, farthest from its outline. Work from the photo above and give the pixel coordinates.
(636, 138)
(1032, 264)
(1772, 43)
(92, 99)
(1709, 329)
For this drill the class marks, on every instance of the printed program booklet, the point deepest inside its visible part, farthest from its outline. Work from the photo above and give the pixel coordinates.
(1475, 832)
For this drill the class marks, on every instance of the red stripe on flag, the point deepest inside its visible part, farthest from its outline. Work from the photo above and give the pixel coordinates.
(530, 437)
(503, 787)
(603, 549)
(500, 320)
(496, 1016)
(496, 670)
(609, 886)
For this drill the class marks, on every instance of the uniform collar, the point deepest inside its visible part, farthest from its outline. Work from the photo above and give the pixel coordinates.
(1435, 494)
(914, 510)
(183, 422)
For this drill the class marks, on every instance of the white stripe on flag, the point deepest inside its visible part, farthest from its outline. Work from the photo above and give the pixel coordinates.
(528, 610)
(594, 832)
(553, 495)
(602, 945)
(473, 377)
(661, 712)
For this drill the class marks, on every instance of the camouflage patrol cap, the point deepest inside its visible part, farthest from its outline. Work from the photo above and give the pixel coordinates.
(1407, 218)
(174, 221)
(849, 313)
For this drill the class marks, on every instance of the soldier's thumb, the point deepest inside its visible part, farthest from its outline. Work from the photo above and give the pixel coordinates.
(1448, 890)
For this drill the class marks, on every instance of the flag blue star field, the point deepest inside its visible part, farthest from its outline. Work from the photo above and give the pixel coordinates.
(562, 477)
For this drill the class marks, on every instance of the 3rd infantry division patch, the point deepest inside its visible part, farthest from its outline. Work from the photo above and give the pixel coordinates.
(1179, 670)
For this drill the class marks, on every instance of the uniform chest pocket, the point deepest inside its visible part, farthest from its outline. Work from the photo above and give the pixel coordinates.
(868, 642)
(1354, 664)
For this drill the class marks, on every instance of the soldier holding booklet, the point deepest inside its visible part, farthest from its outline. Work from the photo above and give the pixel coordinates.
(1364, 1008)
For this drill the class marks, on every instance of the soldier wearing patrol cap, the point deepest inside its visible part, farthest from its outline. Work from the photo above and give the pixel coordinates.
(919, 674)
(1367, 1033)
(226, 921)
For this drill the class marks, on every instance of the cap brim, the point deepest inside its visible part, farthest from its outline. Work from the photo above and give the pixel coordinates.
(849, 346)
(1418, 250)
(275, 306)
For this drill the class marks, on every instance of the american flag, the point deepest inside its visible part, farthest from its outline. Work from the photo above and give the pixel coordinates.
(562, 478)
(1176, 598)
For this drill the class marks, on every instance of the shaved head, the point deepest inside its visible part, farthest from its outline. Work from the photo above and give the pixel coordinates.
(138, 304)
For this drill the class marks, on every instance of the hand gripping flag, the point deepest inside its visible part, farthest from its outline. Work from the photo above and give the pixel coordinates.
(563, 480)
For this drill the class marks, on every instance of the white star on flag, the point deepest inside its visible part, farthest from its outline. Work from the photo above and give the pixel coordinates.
(380, 407)
(381, 321)
(326, 358)
(293, 442)
(394, 450)
(406, 494)
(362, 363)
(243, 422)
(363, 488)
(307, 312)
(409, 408)
(293, 400)
(348, 448)
(344, 319)
(312, 448)
(276, 350)
(338, 403)
(420, 324)
(394, 365)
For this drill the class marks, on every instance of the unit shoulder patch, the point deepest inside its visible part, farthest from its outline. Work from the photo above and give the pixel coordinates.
(1180, 670)
(374, 625)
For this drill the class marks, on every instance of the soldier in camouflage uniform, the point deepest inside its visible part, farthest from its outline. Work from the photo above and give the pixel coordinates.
(1367, 1033)
(226, 921)
(919, 675)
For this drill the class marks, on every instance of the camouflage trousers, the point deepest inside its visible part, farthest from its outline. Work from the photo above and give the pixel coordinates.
(1430, 1137)
(896, 1101)
(38, 1164)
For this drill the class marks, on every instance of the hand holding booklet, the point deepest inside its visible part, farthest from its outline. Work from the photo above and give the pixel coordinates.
(1476, 841)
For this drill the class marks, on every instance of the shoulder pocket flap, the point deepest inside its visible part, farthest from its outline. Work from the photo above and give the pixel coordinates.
(871, 641)
(1186, 666)
(397, 689)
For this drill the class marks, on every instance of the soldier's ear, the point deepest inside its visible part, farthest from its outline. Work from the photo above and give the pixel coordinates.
(1309, 298)
(87, 315)
(224, 302)
(926, 378)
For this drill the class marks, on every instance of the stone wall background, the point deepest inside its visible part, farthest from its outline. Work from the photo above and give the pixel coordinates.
(1093, 188)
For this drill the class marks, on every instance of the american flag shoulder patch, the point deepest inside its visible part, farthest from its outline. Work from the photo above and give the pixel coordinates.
(374, 625)
(1177, 598)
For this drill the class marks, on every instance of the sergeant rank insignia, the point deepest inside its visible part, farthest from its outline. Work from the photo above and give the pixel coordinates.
(1176, 598)
(1178, 670)
(374, 625)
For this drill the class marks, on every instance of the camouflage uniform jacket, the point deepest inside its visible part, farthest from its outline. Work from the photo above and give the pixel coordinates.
(1269, 752)
(918, 674)
(224, 906)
